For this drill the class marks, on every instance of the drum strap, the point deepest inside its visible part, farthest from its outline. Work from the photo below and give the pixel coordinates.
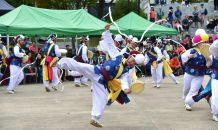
(80, 49)
(198, 50)
(166, 67)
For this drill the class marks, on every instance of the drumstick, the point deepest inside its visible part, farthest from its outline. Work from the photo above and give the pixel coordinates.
(113, 23)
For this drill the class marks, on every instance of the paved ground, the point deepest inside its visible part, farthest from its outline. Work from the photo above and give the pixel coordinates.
(31, 108)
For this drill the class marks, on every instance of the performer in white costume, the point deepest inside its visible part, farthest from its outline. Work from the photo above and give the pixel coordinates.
(154, 54)
(51, 51)
(214, 61)
(113, 74)
(164, 52)
(195, 70)
(14, 66)
(133, 44)
(82, 56)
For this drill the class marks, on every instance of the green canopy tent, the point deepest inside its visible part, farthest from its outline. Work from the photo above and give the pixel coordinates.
(135, 25)
(32, 21)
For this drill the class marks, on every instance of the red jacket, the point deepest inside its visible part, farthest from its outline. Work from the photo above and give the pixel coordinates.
(31, 48)
(174, 63)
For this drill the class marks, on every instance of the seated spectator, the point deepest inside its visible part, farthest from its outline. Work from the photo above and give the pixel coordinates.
(216, 27)
(185, 24)
(210, 24)
(95, 58)
(210, 41)
(157, 19)
(170, 54)
(190, 21)
(180, 48)
(186, 40)
(177, 25)
(187, 35)
(215, 20)
(169, 46)
(157, 2)
(29, 69)
(186, 2)
(188, 45)
(178, 39)
(160, 14)
(175, 65)
(167, 23)
(33, 47)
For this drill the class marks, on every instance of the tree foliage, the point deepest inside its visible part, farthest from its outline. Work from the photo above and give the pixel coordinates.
(55, 4)
(123, 7)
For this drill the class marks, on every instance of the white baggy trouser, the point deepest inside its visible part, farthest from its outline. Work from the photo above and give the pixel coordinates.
(99, 91)
(192, 84)
(55, 79)
(157, 73)
(14, 81)
(214, 98)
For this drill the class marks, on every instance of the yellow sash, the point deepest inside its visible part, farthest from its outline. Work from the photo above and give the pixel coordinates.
(114, 85)
(79, 50)
(166, 67)
(197, 49)
(43, 63)
(107, 57)
(130, 48)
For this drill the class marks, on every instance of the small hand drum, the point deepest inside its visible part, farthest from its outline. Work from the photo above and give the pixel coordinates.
(99, 48)
(205, 50)
(90, 54)
(54, 62)
(137, 87)
(154, 64)
(25, 58)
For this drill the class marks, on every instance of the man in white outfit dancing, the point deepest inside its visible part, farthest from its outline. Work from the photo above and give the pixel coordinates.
(113, 74)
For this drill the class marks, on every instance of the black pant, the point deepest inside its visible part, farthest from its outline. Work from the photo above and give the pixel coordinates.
(152, 19)
(216, 7)
(147, 69)
(210, 26)
(186, 28)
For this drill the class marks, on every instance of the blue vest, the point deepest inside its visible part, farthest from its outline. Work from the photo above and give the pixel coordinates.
(80, 53)
(152, 58)
(52, 52)
(197, 60)
(1, 47)
(15, 61)
(112, 67)
(214, 74)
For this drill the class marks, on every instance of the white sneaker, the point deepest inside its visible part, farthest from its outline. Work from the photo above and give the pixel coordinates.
(158, 85)
(153, 82)
(207, 30)
(187, 107)
(177, 82)
(10, 92)
(215, 118)
(187, 5)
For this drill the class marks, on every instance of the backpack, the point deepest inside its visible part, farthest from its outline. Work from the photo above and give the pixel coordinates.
(205, 12)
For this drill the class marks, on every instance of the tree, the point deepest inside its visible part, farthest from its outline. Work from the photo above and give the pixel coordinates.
(16, 3)
(63, 4)
(99, 7)
(123, 7)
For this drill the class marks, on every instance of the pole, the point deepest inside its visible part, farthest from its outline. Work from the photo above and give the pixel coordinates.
(8, 43)
(76, 40)
(36, 43)
(138, 7)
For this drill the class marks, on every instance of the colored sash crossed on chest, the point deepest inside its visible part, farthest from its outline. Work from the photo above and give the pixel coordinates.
(166, 67)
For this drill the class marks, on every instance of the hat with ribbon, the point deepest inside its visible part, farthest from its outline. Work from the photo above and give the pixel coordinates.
(19, 37)
(139, 58)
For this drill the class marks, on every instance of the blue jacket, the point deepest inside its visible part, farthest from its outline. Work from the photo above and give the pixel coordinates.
(179, 13)
(195, 14)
